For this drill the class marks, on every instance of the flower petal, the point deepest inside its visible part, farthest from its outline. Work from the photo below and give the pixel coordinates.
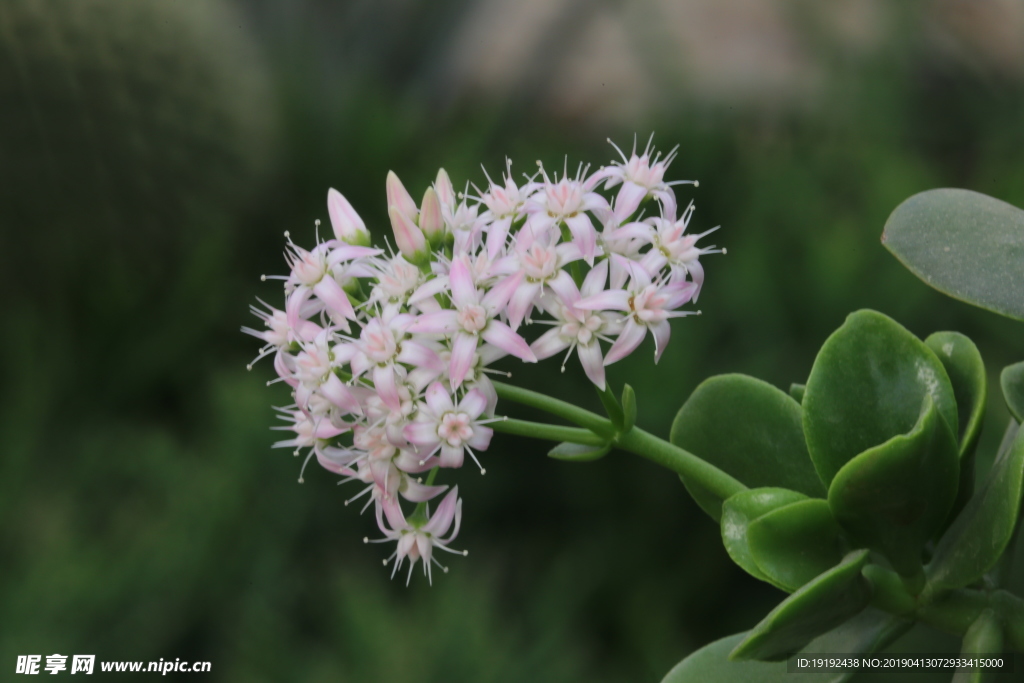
(439, 400)
(473, 403)
(502, 336)
(628, 340)
(592, 362)
(611, 300)
(661, 332)
(442, 518)
(549, 343)
(439, 322)
(463, 351)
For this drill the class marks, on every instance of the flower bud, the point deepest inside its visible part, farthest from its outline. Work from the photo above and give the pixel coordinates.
(399, 198)
(445, 191)
(348, 226)
(408, 238)
(431, 220)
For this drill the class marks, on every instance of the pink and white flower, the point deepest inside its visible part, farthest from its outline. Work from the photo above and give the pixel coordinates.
(451, 429)
(386, 356)
(417, 540)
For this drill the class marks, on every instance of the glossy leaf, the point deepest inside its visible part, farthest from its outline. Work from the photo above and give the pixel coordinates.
(894, 497)
(866, 386)
(870, 631)
(964, 244)
(576, 452)
(742, 509)
(979, 535)
(817, 607)
(749, 429)
(711, 664)
(966, 372)
(795, 543)
(1011, 379)
(984, 638)
(797, 392)
(628, 408)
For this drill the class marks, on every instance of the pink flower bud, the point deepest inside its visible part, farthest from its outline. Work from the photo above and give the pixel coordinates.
(431, 220)
(408, 238)
(399, 198)
(445, 191)
(348, 226)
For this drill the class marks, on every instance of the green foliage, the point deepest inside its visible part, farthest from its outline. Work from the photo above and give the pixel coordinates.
(869, 631)
(965, 244)
(628, 408)
(894, 497)
(576, 452)
(795, 543)
(1011, 379)
(983, 638)
(979, 535)
(742, 509)
(818, 607)
(966, 371)
(749, 429)
(867, 386)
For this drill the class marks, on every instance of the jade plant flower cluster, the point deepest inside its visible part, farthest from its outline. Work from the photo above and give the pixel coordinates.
(387, 350)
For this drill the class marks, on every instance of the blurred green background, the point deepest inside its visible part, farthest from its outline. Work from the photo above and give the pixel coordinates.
(151, 154)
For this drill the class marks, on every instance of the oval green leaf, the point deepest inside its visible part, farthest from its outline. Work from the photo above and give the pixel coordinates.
(866, 386)
(870, 631)
(966, 372)
(742, 509)
(965, 244)
(818, 607)
(577, 452)
(749, 429)
(980, 533)
(984, 638)
(1011, 379)
(893, 498)
(711, 664)
(795, 543)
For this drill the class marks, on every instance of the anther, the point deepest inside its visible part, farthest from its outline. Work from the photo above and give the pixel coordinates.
(366, 539)
(696, 183)
(263, 278)
(248, 366)
(287, 234)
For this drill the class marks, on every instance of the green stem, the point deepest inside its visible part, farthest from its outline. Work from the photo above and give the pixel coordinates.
(953, 612)
(680, 461)
(584, 418)
(635, 441)
(539, 430)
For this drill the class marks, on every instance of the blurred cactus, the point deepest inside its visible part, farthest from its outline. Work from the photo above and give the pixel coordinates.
(127, 129)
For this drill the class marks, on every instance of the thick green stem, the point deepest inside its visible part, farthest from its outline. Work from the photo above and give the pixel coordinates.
(584, 418)
(953, 612)
(537, 430)
(635, 440)
(680, 461)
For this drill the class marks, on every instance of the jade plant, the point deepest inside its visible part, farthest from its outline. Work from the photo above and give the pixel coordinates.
(854, 492)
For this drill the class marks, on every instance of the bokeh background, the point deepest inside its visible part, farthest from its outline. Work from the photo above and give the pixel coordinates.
(151, 155)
